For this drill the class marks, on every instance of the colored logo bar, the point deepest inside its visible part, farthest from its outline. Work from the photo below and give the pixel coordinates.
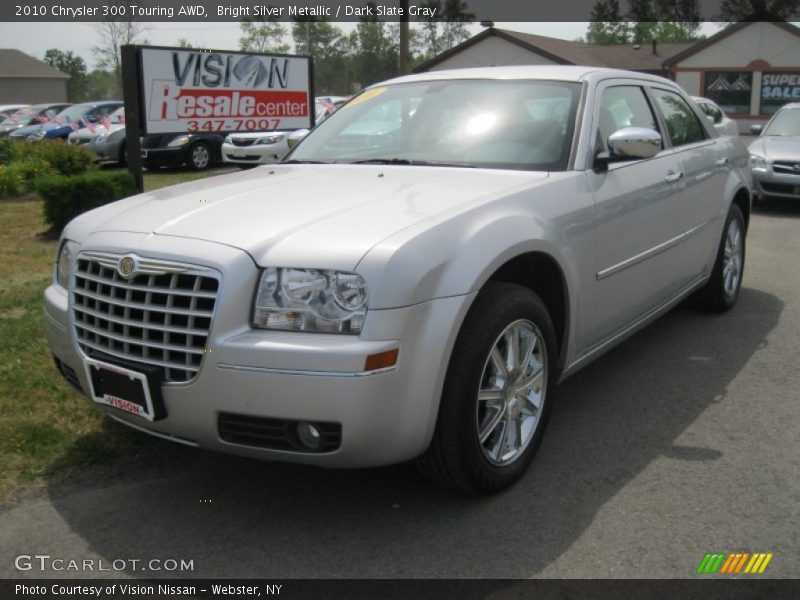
(734, 563)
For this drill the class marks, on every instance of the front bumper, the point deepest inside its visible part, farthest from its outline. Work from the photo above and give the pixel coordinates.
(386, 416)
(157, 157)
(779, 185)
(106, 152)
(253, 155)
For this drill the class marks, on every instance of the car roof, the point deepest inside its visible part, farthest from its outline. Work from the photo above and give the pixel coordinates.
(790, 105)
(544, 72)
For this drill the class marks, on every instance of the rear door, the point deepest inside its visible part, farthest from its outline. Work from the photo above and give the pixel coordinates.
(700, 187)
(638, 231)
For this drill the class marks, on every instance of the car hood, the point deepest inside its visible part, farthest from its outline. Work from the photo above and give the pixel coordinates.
(26, 130)
(777, 147)
(327, 216)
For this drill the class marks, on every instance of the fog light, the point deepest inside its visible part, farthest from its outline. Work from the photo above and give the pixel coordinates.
(309, 435)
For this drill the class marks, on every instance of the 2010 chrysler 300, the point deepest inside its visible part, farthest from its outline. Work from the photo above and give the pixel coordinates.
(415, 292)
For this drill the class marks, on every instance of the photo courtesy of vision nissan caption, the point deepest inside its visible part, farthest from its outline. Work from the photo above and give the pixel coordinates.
(413, 279)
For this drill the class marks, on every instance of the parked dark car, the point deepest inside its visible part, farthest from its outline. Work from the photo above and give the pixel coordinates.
(61, 125)
(196, 150)
(29, 116)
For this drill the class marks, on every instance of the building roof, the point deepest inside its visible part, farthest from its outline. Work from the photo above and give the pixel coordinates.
(633, 57)
(731, 29)
(14, 63)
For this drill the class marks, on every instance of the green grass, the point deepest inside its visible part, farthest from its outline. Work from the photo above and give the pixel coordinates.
(46, 429)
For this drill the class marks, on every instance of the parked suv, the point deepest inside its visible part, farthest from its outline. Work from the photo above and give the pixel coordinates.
(198, 151)
(417, 294)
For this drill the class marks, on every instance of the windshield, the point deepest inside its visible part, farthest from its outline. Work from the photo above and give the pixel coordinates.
(24, 116)
(786, 122)
(74, 113)
(476, 123)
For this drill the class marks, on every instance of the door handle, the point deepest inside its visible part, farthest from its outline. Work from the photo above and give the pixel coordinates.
(673, 176)
(721, 162)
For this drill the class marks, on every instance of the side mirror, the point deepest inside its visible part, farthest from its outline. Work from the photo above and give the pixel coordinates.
(630, 143)
(756, 129)
(296, 136)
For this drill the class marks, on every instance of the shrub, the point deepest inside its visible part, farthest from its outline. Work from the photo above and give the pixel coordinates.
(67, 197)
(12, 150)
(65, 159)
(11, 182)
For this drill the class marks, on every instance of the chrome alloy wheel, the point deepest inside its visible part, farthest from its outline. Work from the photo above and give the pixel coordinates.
(732, 258)
(511, 393)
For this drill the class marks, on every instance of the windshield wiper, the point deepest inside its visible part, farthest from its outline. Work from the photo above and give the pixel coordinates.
(406, 161)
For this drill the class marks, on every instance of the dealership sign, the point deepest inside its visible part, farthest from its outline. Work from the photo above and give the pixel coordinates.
(784, 86)
(186, 90)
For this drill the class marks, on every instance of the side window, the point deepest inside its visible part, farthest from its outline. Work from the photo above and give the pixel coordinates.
(682, 124)
(623, 106)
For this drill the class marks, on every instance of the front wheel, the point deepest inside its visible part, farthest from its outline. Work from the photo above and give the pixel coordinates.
(495, 401)
(722, 289)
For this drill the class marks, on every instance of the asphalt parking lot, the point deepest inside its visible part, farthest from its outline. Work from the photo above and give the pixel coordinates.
(683, 440)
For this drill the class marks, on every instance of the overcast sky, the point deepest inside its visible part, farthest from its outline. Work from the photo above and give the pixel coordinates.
(35, 38)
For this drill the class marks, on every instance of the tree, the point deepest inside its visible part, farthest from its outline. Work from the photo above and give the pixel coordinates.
(263, 34)
(447, 29)
(102, 85)
(664, 20)
(739, 10)
(325, 43)
(606, 25)
(645, 21)
(113, 35)
(376, 53)
(184, 43)
(72, 65)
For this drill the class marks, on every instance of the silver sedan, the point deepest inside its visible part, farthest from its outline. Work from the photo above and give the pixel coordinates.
(775, 155)
(414, 291)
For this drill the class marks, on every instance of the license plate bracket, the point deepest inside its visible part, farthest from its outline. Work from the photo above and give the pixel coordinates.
(135, 390)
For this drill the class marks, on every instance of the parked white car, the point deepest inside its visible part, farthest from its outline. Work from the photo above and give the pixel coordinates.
(415, 295)
(255, 148)
(722, 122)
(248, 149)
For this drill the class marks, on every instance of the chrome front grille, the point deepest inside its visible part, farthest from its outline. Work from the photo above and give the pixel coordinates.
(785, 167)
(243, 141)
(159, 316)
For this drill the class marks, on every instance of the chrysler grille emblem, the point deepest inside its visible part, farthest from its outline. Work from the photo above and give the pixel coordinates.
(126, 266)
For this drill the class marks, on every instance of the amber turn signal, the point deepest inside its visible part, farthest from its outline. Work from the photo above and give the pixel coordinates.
(382, 360)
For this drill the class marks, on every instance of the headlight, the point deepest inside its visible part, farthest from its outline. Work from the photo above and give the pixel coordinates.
(102, 138)
(758, 162)
(37, 135)
(310, 300)
(268, 140)
(64, 258)
(181, 140)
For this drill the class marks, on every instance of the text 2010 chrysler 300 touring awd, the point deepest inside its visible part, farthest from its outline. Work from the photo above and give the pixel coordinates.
(413, 292)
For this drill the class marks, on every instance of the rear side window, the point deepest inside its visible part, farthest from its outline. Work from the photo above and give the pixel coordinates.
(623, 106)
(683, 126)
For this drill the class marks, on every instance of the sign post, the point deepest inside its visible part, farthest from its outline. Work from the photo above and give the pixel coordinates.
(131, 96)
(192, 92)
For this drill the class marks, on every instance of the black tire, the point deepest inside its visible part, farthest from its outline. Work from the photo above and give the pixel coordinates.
(713, 295)
(199, 157)
(455, 457)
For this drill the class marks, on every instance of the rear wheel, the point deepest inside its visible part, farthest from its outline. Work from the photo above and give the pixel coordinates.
(722, 289)
(495, 402)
